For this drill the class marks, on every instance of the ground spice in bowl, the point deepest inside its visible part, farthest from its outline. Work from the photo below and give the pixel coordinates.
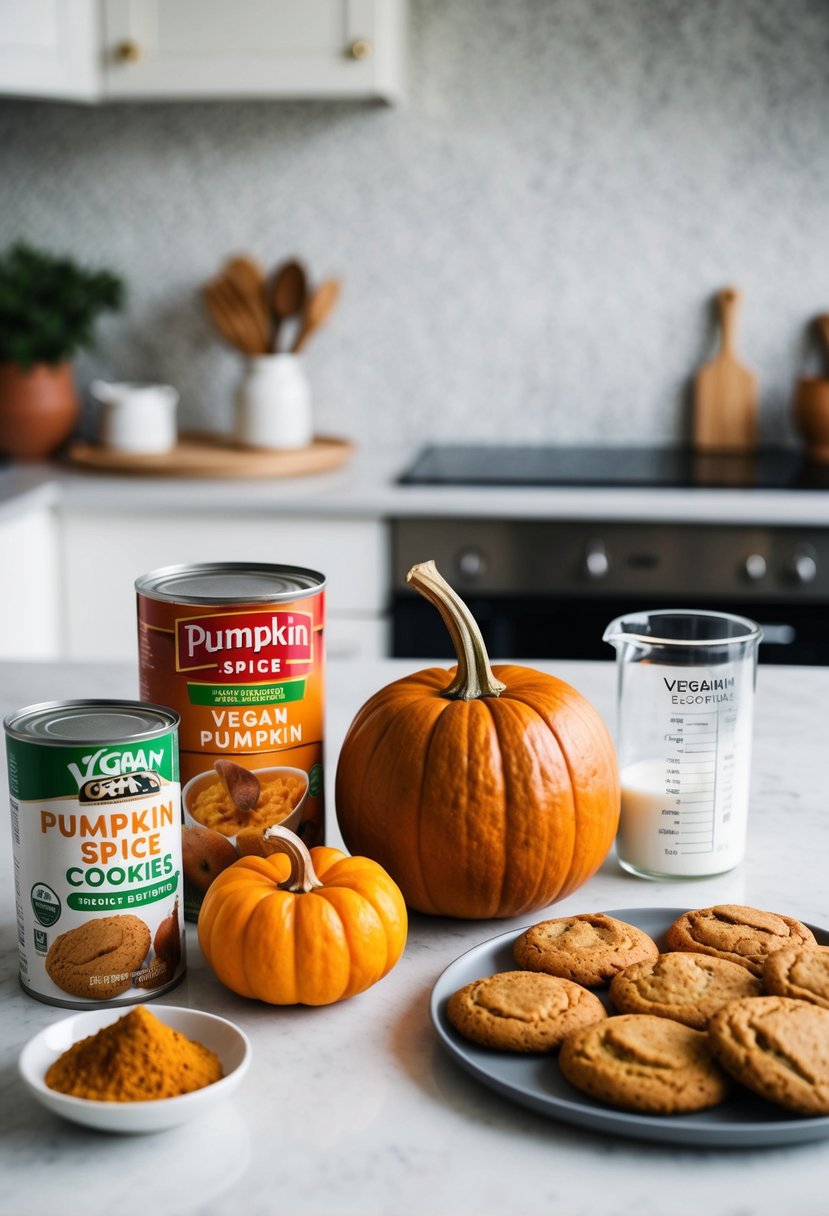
(136, 1059)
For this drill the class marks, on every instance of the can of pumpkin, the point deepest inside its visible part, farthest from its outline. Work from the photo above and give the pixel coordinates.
(95, 811)
(237, 650)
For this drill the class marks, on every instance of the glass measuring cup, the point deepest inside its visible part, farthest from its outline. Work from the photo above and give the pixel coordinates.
(685, 708)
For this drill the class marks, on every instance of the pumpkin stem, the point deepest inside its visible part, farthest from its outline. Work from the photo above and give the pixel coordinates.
(474, 676)
(302, 877)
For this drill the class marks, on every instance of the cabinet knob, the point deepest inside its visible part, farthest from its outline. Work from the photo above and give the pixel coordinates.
(360, 48)
(128, 51)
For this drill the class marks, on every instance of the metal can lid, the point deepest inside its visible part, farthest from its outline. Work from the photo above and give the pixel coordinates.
(90, 722)
(229, 583)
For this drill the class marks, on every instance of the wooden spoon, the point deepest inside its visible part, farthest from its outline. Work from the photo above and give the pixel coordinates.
(241, 784)
(226, 319)
(289, 292)
(320, 303)
(245, 279)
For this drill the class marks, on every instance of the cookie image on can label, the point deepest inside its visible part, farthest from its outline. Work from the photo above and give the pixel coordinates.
(99, 956)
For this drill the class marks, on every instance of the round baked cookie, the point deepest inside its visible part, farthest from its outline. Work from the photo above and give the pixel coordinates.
(588, 949)
(801, 972)
(684, 986)
(777, 1047)
(98, 958)
(522, 1011)
(738, 934)
(644, 1063)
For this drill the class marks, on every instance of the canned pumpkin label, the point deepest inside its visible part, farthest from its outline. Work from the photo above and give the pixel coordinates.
(238, 652)
(97, 857)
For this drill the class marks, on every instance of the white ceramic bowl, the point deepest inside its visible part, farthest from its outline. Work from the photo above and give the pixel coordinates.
(230, 1044)
(197, 783)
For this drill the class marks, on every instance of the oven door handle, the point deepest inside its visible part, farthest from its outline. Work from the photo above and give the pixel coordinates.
(778, 635)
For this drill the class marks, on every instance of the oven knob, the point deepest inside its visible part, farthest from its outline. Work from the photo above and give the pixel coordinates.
(803, 566)
(471, 563)
(755, 567)
(596, 561)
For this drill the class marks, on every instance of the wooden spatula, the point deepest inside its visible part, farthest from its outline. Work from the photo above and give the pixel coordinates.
(725, 391)
(319, 304)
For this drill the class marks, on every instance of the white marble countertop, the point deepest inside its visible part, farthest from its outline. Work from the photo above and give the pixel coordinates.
(367, 487)
(354, 1109)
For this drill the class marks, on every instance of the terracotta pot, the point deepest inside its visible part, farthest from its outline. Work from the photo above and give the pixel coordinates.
(38, 409)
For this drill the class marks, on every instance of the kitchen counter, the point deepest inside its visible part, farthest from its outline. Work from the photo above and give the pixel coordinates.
(355, 1108)
(367, 488)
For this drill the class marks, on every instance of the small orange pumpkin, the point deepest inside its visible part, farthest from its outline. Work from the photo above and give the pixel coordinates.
(487, 793)
(300, 928)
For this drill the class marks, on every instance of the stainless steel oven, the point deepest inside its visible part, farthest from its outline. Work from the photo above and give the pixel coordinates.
(546, 589)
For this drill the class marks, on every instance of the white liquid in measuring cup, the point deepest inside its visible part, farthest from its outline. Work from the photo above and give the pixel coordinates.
(684, 812)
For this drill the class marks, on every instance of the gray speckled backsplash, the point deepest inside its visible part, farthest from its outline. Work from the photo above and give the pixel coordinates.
(529, 246)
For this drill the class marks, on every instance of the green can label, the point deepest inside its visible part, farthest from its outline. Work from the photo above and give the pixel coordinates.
(97, 844)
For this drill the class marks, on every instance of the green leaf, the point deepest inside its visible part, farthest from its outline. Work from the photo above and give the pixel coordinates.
(49, 304)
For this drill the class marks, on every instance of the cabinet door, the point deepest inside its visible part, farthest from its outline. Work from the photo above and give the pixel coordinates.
(49, 48)
(104, 553)
(252, 48)
(30, 602)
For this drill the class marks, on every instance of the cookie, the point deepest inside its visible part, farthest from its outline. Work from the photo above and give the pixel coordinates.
(737, 933)
(644, 1063)
(97, 960)
(778, 1047)
(522, 1011)
(588, 949)
(684, 986)
(801, 972)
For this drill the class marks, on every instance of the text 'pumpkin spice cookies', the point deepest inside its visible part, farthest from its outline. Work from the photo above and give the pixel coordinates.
(588, 949)
(684, 986)
(99, 956)
(801, 972)
(737, 933)
(644, 1063)
(522, 1011)
(777, 1047)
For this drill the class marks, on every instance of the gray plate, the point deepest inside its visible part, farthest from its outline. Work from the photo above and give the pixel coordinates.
(536, 1082)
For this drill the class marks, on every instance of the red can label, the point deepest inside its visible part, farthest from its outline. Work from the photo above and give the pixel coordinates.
(247, 681)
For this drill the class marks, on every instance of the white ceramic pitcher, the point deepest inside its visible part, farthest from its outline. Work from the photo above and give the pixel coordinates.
(139, 418)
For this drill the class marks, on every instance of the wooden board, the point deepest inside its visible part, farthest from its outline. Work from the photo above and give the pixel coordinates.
(725, 391)
(214, 456)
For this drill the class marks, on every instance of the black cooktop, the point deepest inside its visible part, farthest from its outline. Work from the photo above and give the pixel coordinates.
(670, 468)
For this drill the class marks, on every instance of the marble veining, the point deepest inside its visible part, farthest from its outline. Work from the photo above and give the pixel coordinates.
(353, 1110)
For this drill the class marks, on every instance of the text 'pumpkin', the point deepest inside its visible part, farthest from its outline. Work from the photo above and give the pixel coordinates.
(484, 792)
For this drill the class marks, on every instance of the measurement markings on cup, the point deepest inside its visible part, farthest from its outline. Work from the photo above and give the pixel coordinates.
(697, 779)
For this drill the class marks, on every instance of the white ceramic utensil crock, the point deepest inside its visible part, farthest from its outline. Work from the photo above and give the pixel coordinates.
(273, 403)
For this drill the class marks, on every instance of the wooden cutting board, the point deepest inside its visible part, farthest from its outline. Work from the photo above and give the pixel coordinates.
(214, 456)
(725, 391)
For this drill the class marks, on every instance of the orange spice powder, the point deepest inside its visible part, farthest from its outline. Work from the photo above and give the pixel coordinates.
(136, 1059)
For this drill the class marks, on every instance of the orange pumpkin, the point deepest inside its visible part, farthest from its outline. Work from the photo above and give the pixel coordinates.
(484, 793)
(300, 928)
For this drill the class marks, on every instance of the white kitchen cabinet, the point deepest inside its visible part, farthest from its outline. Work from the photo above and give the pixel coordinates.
(93, 50)
(104, 552)
(50, 48)
(29, 604)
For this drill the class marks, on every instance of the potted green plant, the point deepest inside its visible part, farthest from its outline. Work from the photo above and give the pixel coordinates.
(48, 306)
